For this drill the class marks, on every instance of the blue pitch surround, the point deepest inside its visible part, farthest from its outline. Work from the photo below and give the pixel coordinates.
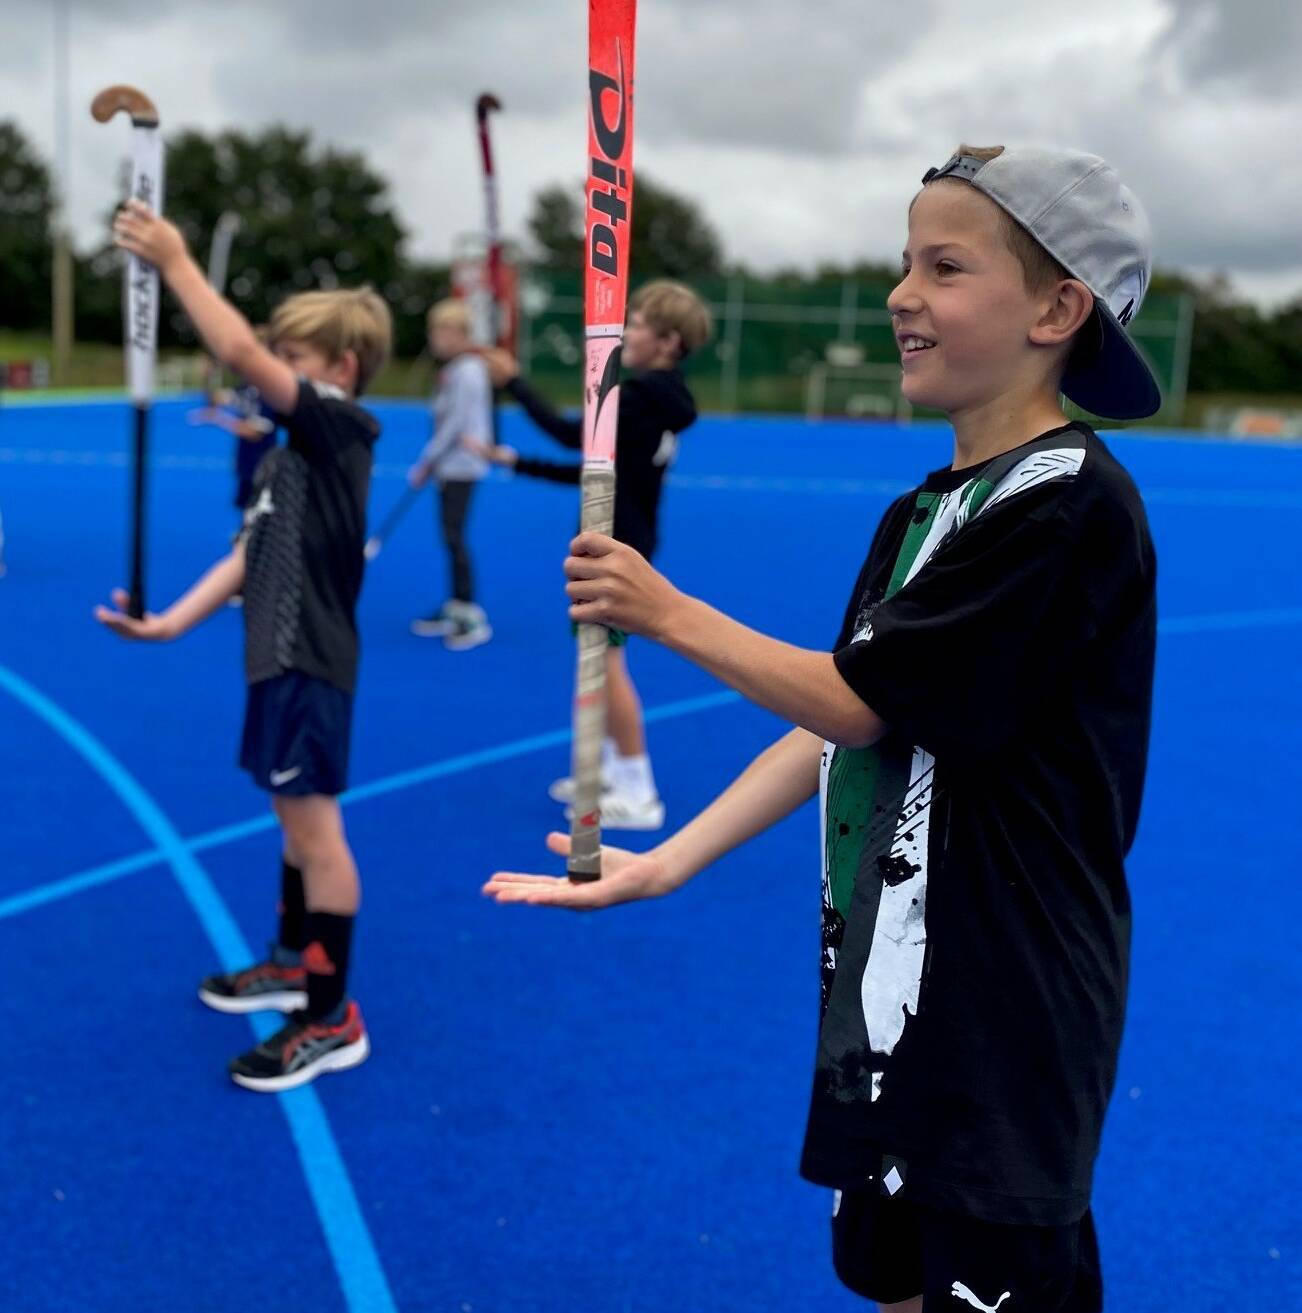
(597, 1114)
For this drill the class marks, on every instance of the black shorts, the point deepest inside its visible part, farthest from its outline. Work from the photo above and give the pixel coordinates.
(296, 734)
(891, 1250)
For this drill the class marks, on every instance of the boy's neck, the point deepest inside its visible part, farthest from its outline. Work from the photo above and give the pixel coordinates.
(999, 425)
(349, 394)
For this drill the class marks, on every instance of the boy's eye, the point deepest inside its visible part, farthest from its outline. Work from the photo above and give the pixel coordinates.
(946, 267)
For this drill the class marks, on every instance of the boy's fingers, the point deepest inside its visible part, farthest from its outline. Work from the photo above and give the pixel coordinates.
(586, 567)
(121, 598)
(558, 893)
(584, 590)
(120, 624)
(592, 544)
(559, 843)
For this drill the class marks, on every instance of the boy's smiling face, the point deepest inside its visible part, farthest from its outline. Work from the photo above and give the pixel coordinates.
(963, 317)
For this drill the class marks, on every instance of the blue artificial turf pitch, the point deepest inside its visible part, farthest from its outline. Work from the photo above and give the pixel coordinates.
(571, 1114)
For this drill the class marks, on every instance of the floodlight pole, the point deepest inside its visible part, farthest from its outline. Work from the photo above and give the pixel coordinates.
(61, 288)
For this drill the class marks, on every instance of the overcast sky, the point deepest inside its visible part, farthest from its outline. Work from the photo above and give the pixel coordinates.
(802, 129)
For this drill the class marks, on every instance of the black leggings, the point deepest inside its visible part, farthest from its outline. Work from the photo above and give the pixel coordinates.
(453, 508)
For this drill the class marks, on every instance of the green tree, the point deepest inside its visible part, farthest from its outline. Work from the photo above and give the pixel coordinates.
(26, 209)
(309, 219)
(671, 236)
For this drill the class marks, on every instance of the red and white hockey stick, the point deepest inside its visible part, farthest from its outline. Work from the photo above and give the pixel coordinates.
(605, 292)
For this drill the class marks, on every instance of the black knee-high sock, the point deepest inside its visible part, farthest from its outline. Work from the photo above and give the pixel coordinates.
(293, 909)
(329, 943)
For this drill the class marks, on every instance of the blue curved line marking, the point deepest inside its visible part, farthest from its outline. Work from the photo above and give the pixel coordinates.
(365, 1287)
(115, 870)
(75, 884)
(1203, 624)
(1192, 624)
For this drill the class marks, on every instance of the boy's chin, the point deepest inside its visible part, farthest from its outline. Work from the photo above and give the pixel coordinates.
(921, 394)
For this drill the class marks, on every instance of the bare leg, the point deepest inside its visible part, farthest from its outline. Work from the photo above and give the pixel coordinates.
(623, 707)
(314, 833)
(908, 1306)
(287, 850)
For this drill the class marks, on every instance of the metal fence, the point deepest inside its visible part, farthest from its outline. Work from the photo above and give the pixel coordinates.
(772, 336)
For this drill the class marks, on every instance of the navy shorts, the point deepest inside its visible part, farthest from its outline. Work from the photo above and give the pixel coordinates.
(890, 1250)
(296, 733)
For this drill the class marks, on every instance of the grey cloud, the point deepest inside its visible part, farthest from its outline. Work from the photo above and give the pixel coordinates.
(776, 77)
(1256, 45)
(802, 131)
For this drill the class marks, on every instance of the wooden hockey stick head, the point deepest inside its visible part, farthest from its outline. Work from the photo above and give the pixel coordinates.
(123, 98)
(485, 105)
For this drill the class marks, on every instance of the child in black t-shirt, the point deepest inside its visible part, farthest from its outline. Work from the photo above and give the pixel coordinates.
(299, 564)
(667, 321)
(978, 741)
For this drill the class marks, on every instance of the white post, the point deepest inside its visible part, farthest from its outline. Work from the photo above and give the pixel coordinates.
(732, 341)
(1183, 348)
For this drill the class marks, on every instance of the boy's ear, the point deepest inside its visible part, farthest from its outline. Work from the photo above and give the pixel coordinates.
(1068, 305)
(349, 370)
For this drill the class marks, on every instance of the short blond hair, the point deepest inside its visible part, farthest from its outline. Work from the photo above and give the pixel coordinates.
(672, 307)
(451, 312)
(355, 320)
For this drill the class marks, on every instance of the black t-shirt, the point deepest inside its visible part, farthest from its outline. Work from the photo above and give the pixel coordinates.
(654, 408)
(976, 918)
(304, 532)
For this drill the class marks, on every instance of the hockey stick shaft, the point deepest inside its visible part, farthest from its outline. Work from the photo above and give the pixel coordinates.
(485, 105)
(606, 255)
(391, 521)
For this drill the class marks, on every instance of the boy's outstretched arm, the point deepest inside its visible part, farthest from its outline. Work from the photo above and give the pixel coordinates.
(504, 371)
(213, 591)
(781, 778)
(225, 332)
(611, 584)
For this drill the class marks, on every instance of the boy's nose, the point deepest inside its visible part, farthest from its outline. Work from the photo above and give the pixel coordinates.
(903, 298)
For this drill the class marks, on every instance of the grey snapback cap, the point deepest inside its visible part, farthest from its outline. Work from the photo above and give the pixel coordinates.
(1077, 208)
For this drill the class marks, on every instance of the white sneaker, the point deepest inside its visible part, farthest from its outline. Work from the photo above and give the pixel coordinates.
(620, 812)
(438, 625)
(562, 790)
(464, 637)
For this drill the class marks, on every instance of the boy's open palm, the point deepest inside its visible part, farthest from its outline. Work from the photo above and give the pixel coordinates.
(150, 628)
(625, 877)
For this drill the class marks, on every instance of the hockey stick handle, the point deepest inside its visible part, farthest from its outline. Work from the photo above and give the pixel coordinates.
(590, 699)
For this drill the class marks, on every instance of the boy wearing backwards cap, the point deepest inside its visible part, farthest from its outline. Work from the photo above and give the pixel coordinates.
(977, 740)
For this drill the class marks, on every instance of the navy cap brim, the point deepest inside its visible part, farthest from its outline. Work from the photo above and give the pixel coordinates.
(1116, 381)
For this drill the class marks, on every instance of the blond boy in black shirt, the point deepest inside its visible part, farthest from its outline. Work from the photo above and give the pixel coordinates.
(298, 563)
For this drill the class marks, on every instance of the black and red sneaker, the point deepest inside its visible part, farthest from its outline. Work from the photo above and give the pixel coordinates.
(301, 1050)
(264, 987)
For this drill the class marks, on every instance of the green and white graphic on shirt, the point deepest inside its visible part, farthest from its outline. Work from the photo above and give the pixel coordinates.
(876, 804)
